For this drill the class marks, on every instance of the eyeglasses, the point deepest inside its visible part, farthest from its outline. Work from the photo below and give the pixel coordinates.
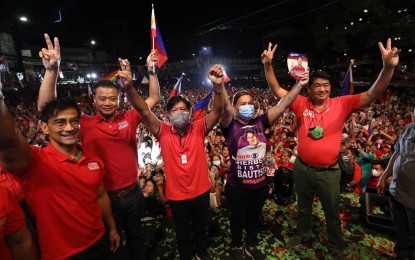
(61, 123)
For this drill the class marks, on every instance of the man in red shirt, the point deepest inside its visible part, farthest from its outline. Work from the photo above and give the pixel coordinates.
(15, 238)
(297, 70)
(320, 121)
(62, 184)
(111, 136)
(8, 181)
(182, 147)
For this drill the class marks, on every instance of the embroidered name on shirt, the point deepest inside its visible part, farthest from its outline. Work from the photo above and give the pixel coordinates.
(93, 166)
(123, 124)
(309, 113)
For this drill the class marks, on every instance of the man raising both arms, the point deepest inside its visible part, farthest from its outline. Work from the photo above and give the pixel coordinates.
(320, 121)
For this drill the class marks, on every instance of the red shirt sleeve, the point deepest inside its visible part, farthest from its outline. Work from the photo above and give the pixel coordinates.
(15, 219)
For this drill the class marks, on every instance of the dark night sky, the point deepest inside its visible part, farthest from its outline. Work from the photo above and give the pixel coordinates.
(236, 26)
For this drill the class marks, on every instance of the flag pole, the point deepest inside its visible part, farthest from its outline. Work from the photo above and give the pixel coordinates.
(154, 63)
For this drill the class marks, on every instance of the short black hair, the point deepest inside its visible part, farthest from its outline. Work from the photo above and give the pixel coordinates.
(105, 84)
(56, 106)
(319, 74)
(238, 95)
(176, 99)
(250, 131)
(380, 162)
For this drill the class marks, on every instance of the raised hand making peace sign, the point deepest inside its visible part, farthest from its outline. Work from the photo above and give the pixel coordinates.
(390, 55)
(51, 57)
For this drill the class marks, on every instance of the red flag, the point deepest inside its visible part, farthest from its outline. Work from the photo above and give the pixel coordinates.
(227, 79)
(177, 88)
(157, 40)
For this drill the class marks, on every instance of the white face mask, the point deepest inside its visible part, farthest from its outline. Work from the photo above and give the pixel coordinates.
(292, 159)
(216, 163)
(180, 119)
(376, 173)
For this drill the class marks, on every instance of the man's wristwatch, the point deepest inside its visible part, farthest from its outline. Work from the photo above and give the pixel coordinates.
(218, 91)
(151, 72)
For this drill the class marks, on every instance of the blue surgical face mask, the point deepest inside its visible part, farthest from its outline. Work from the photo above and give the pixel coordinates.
(246, 112)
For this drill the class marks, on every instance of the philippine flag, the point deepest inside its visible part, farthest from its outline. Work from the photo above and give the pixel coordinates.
(347, 87)
(157, 40)
(202, 105)
(177, 88)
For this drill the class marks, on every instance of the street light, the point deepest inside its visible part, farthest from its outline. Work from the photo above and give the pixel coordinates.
(91, 44)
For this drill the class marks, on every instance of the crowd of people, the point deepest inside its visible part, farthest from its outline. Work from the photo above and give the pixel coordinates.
(90, 168)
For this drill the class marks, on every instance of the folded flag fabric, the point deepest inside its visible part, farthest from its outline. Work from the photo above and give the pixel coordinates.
(347, 87)
(202, 105)
(111, 76)
(177, 88)
(157, 40)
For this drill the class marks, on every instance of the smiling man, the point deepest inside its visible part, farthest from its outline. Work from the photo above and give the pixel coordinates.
(111, 136)
(320, 121)
(62, 184)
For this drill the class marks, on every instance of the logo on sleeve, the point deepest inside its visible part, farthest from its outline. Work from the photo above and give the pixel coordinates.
(93, 166)
(122, 125)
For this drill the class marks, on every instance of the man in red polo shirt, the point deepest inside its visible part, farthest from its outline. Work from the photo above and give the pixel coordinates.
(63, 184)
(8, 181)
(182, 147)
(111, 136)
(15, 238)
(320, 121)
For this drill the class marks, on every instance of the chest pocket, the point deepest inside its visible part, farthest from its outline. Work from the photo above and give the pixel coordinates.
(407, 146)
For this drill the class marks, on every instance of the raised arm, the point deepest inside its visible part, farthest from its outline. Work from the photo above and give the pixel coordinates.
(218, 80)
(229, 112)
(14, 148)
(276, 111)
(126, 82)
(51, 59)
(267, 56)
(154, 88)
(390, 57)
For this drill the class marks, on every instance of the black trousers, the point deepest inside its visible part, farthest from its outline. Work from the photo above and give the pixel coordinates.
(404, 222)
(191, 213)
(245, 206)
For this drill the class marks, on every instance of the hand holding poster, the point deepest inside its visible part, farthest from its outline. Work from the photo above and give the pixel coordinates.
(297, 64)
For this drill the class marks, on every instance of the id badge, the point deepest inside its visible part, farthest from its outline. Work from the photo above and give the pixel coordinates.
(184, 159)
